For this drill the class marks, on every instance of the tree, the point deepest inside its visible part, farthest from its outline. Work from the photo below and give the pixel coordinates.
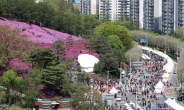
(111, 52)
(89, 22)
(42, 58)
(80, 101)
(54, 77)
(115, 42)
(127, 24)
(59, 49)
(10, 79)
(13, 45)
(99, 67)
(108, 28)
(178, 33)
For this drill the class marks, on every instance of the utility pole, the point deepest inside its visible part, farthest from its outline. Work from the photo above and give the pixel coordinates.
(120, 76)
(107, 81)
(177, 59)
(130, 63)
(91, 95)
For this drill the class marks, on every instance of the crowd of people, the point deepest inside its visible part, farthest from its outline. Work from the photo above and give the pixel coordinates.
(140, 82)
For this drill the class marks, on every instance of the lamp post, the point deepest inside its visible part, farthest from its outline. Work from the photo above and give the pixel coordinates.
(108, 79)
(136, 99)
(165, 45)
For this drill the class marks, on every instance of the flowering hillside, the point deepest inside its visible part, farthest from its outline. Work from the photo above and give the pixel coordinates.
(44, 38)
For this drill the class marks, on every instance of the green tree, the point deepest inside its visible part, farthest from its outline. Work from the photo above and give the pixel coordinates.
(99, 67)
(111, 52)
(115, 42)
(89, 22)
(108, 28)
(54, 76)
(127, 24)
(42, 58)
(13, 45)
(80, 101)
(178, 33)
(10, 79)
(59, 49)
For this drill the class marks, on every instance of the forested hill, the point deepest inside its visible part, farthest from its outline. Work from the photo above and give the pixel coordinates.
(54, 14)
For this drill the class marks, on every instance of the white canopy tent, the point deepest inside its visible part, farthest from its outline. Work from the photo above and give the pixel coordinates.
(159, 87)
(173, 104)
(165, 77)
(113, 90)
(87, 62)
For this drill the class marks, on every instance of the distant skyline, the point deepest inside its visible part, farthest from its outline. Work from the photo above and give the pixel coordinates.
(77, 1)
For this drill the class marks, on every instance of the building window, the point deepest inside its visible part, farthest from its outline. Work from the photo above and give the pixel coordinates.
(64, 105)
(45, 106)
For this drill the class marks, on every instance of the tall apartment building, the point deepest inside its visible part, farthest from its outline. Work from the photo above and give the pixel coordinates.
(160, 15)
(168, 16)
(114, 10)
(148, 8)
(136, 12)
(89, 6)
(123, 9)
(181, 13)
(108, 10)
(157, 19)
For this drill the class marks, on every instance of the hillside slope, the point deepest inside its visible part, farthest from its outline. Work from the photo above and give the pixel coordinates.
(44, 38)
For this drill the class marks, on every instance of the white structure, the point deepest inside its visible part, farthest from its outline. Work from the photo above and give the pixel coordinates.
(87, 62)
(173, 105)
(159, 87)
(165, 77)
(113, 90)
(89, 7)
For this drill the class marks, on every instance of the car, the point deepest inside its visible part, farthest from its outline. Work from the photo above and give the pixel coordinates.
(180, 98)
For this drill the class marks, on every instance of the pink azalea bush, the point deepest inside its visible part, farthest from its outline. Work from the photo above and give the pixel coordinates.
(17, 64)
(44, 38)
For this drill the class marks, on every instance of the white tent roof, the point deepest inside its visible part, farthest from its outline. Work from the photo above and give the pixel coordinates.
(159, 85)
(165, 75)
(87, 62)
(113, 90)
(174, 104)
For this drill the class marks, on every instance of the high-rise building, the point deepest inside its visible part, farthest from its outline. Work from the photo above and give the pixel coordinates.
(107, 9)
(89, 7)
(160, 16)
(168, 16)
(181, 13)
(123, 9)
(136, 12)
(114, 10)
(148, 8)
(157, 19)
